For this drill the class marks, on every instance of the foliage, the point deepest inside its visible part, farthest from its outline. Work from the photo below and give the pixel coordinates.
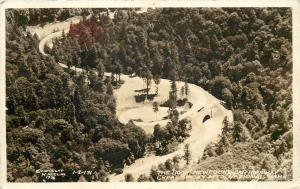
(187, 154)
(241, 55)
(57, 120)
(167, 138)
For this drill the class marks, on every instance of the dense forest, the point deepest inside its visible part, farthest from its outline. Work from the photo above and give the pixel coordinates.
(243, 56)
(56, 120)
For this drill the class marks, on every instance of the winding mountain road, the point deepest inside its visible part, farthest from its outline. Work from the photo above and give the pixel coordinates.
(201, 134)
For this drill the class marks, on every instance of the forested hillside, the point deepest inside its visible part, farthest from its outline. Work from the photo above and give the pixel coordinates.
(243, 56)
(31, 17)
(56, 120)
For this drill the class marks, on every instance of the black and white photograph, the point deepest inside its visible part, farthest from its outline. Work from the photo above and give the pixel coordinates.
(148, 94)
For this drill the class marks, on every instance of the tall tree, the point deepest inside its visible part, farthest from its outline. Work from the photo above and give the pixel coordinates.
(182, 91)
(155, 108)
(100, 69)
(186, 89)
(118, 71)
(148, 77)
(187, 154)
(156, 81)
(173, 94)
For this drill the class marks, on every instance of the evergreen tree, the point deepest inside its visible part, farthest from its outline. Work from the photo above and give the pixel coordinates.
(24, 69)
(187, 89)
(182, 91)
(173, 95)
(187, 154)
(100, 70)
(148, 77)
(156, 81)
(118, 71)
(155, 108)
